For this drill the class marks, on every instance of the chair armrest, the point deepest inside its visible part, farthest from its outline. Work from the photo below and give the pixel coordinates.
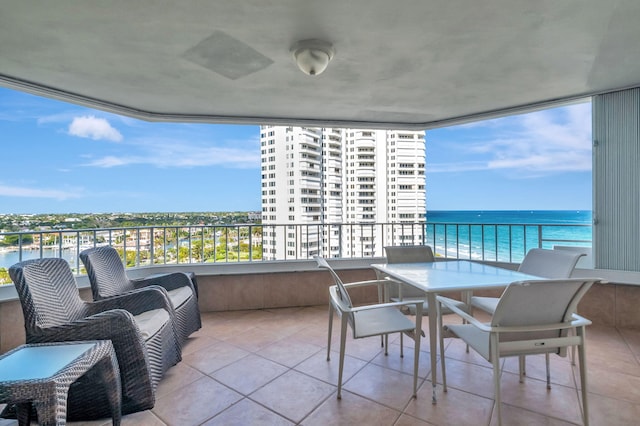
(454, 306)
(115, 324)
(169, 281)
(136, 301)
(451, 304)
(578, 322)
(366, 283)
(416, 302)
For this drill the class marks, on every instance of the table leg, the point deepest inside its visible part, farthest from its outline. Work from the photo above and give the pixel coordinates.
(433, 339)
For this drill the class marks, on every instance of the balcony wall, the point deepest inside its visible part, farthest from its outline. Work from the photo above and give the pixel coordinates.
(227, 287)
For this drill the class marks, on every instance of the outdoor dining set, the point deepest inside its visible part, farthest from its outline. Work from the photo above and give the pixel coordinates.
(536, 313)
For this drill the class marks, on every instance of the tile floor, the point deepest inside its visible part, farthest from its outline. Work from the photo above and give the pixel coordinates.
(269, 367)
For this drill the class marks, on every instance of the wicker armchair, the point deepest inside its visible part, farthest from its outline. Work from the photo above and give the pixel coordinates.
(140, 326)
(108, 278)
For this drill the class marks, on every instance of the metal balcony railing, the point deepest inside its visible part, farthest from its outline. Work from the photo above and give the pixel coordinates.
(175, 245)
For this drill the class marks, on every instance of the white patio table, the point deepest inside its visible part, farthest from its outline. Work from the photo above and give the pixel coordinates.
(448, 276)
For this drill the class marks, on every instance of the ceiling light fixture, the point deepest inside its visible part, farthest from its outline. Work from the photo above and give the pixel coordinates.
(312, 56)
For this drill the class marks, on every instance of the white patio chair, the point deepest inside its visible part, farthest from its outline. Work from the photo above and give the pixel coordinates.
(542, 263)
(400, 292)
(408, 254)
(532, 317)
(379, 319)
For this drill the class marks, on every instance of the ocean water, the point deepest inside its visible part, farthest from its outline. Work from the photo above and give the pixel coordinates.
(582, 217)
(505, 235)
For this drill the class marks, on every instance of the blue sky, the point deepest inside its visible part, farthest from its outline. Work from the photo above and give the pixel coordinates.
(536, 161)
(63, 158)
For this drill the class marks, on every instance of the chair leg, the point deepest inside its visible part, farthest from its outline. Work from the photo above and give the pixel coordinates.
(329, 332)
(382, 297)
(343, 339)
(495, 360)
(401, 345)
(521, 368)
(442, 360)
(547, 363)
(573, 351)
(417, 333)
(386, 344)
(416, 359)
(582, 359)
(466, 298)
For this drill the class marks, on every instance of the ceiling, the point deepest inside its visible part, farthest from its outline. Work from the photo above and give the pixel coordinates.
(398, 64)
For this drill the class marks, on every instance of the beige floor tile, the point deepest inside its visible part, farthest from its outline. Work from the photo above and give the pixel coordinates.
(469, 377)
(521, 417)
(351, 410)
(247, 412)
(632, 338)
(146, 418)
(280, 356)
(280, 326)
(559, 402)
(404, 364)
(196, 403)
(249, 373)
(294, 395)
(626, 365)
(603, 381)
(317, 366)
(608, 411)
(197, 341)
(365, 349)
(315, 335)
(214, 357)
(178, 376)
(561, 371)
(254, 339)
(289, 352)
(453, 407)
(406, 420)
(388, 387)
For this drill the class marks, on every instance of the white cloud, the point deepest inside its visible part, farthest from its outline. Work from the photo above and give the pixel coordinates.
(17, 191)
(168, 153)
(94, 128)
(534, 144)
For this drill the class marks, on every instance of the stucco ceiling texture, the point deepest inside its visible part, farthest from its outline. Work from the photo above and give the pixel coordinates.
(398, 64)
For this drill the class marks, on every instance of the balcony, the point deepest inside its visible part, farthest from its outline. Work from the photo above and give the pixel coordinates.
(264, 339)
(269, 367)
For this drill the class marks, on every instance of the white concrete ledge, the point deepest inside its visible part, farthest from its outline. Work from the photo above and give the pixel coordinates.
(610, 275)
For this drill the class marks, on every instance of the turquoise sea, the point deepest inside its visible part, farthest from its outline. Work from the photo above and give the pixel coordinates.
(505, 235)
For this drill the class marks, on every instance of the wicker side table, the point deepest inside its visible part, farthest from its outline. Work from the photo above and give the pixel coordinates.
(41, 375)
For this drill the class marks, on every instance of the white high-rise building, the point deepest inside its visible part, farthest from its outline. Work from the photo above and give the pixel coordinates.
(315, 181)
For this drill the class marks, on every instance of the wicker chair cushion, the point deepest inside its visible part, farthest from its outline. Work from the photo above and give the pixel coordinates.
(179, 296)
(151, 322)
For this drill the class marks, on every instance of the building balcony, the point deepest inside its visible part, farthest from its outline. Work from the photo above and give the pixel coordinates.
(261, 355)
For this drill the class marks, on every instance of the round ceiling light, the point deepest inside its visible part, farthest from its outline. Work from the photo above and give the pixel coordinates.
(312, 56)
